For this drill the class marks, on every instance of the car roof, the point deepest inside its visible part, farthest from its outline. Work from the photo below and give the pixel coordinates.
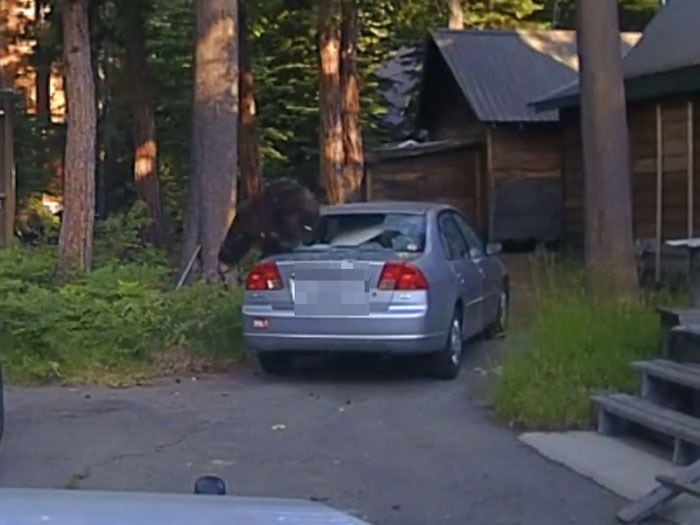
(417, 207)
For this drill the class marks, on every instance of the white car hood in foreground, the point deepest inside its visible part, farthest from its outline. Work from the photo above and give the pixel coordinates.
(84, 507)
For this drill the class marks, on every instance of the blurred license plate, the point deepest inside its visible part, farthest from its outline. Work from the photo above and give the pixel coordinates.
(330, 297)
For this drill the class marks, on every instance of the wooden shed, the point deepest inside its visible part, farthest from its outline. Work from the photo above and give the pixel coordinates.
(488, 151)
(662, 85)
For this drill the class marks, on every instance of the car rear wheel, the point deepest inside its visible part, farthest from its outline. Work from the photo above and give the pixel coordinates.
(275, 362)
(447, 363)
(500, 323)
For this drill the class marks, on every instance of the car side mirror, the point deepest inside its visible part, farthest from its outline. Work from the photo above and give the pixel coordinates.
(474, 253)
(493, 248)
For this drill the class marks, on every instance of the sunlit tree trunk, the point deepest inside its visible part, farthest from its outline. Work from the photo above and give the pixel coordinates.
(456, 10)
(7, 160)
(248, 146)
(144, 131)
(75, 240)
(331, 122)
(350, 103)
(212, 195)
(608, 202)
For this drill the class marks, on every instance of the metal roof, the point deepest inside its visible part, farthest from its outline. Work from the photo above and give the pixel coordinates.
(670, 42)
(417, 149)
(501, 71)
(386, 206)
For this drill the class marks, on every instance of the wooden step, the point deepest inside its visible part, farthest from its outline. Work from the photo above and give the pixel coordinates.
(683, 343)
(676, 316)
(684, 374)
(616, 410)
(672, 317)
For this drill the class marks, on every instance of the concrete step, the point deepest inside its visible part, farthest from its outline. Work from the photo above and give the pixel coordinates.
(617, 411)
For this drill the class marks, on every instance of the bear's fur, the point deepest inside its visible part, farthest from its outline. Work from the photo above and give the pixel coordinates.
(281, 216)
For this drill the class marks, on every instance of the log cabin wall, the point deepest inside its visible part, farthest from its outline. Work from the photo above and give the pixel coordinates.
(450, 177)
(675, 211)
(525, 174)
(450, 115)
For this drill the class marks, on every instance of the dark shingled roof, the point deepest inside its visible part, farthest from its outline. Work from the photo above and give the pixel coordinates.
(501, 72)
(670, 43)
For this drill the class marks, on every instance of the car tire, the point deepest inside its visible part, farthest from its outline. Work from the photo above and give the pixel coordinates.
(447, 363)
(497, 329)
(275, 363)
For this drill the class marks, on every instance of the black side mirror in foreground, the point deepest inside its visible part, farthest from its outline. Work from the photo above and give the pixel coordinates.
(211, 485)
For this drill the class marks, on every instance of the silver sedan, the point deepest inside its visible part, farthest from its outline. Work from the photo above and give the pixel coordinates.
(389, 277)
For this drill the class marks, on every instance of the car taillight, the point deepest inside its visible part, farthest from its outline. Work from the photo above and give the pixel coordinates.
(264, 276)
(402, 276)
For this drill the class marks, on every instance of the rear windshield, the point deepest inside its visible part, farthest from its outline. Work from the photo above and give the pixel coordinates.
(401, 232)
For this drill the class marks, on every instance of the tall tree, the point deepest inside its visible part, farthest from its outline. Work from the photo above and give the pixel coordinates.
(42, 63)
(353, 169)
(248, 146)
(8, 63)
(456, 20)
(75, 240)
(332, 155)
(608, 202)
(212, 191)
(144, 123)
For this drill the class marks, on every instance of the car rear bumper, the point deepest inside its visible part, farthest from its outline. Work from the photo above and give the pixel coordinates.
(408, 333)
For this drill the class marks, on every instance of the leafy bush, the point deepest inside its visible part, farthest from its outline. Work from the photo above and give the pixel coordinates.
(576, 345)
(110, 325)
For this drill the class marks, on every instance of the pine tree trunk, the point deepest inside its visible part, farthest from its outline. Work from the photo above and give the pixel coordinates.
(608, 201)
(331, 125)
(456, 14)
(215, 128)
(248, 146)
(350, 93)
(75, 240)
(7, 158)
(144, 132)
(43, 67)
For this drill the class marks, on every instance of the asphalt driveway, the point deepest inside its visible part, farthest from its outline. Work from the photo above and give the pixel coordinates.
(375, 439)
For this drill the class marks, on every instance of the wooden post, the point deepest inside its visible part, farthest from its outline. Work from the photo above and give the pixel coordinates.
(691, 171)
(491, 197)
(478, 219)
(368, 182)
(659, 190)
(7, 176)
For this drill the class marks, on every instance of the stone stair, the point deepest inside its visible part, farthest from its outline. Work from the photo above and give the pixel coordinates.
(667, 410)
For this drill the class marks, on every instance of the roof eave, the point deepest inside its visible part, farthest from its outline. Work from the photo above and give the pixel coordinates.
(656, 85)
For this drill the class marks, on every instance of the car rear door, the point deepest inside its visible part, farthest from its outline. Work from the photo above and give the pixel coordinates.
(466, 273)
(489, 268)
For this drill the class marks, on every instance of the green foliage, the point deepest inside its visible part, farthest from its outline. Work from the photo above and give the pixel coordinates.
(117, 239)
(634, 14)
(575, 345)
(34, 223)
(112, 324)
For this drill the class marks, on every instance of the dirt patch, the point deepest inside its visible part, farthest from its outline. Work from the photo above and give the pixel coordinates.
(179, 361)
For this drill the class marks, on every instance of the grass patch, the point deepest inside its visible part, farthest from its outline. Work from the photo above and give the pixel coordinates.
(575, 345)
(122, 323)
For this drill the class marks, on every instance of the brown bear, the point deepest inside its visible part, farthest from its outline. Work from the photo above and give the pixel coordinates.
(283, 215)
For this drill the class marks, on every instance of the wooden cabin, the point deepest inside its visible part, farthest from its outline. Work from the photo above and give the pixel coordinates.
(662, 84)
(488, 151)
